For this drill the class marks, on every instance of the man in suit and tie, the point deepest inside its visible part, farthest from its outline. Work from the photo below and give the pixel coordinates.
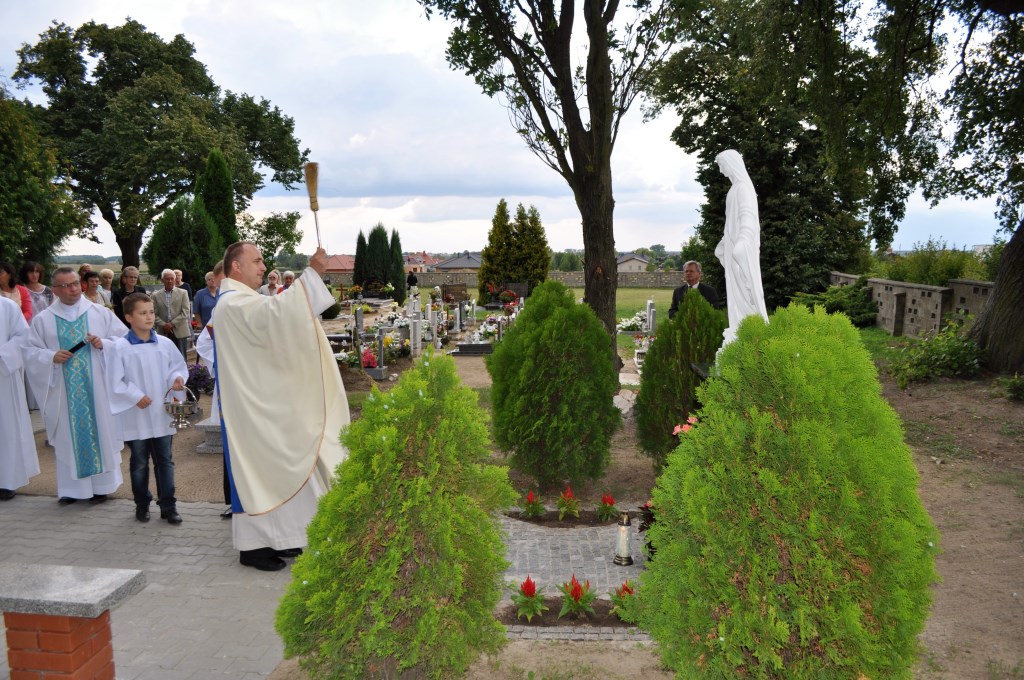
(691, 274)
(173, 312)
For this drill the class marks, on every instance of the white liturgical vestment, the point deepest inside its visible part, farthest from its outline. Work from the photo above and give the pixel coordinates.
(18, 458)
(74, 398)
(282, 406)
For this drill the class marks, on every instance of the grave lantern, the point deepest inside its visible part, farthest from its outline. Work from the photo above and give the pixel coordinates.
(622, 557)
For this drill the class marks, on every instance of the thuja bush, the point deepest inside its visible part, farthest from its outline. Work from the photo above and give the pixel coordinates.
(854, 301)
(505, 362)
(553, 381)
(791, 542)
(668, 384)
(405, 558)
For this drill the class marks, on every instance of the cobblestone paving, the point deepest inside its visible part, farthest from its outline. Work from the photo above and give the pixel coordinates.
(202, 615)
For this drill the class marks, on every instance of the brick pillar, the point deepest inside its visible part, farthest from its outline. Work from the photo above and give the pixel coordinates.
(44, 647)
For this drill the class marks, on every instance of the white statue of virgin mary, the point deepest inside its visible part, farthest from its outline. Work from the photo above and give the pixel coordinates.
(740, 248)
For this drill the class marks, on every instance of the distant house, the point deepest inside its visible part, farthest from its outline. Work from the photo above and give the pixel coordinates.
(419, 262)
(631, 262)
(466, 262)
(341, 264)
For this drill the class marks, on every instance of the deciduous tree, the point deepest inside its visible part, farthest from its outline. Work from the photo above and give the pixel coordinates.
(565, 104)
(136, 118)
(275, 233)
(38, 212)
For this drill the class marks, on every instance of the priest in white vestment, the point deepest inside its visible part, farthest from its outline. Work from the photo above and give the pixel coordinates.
(282, 404)
(18, 458)
(72, 389)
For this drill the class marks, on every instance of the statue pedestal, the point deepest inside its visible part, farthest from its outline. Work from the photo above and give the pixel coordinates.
(212, 443)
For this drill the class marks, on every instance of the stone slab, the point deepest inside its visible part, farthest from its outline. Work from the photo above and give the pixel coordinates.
(60, 590)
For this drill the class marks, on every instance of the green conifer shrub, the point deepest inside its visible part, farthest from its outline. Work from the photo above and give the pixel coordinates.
(668, 385)
(553, 380)
(405, 558)
(791, 542)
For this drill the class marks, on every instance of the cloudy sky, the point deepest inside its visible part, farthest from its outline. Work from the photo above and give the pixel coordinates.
(401, 139)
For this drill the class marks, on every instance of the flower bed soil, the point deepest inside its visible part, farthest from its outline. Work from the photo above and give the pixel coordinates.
(587, 518)
(602, 616)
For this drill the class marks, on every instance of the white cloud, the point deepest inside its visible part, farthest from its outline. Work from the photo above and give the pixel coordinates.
(401, 139)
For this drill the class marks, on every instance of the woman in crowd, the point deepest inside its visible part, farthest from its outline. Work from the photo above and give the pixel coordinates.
(31, 275)
(107, 281)
(129, 285)
(10, 288)
(273, 284)
(91, 290)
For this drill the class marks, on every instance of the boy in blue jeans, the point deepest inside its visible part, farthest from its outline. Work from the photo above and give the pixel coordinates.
(141, 366)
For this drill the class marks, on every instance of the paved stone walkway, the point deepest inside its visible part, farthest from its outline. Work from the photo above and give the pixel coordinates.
(202, 615)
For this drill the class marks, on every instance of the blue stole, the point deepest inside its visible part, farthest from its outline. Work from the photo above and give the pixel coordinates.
(236, 503)
(85, 440)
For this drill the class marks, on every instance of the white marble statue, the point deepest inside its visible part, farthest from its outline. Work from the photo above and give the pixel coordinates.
(740, 248)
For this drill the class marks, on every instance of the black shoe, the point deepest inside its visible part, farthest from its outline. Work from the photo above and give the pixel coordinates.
(66, 500)
(171, 516)
(289, 552)
(142, 513)
(6, 494)
(263, 559)
(98, 498)
(226, 514)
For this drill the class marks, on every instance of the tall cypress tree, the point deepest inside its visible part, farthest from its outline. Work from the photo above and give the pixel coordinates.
(397, 268)
(218, 195)
(529, 252)
(378, 255)
(359, 267)
(495, 259)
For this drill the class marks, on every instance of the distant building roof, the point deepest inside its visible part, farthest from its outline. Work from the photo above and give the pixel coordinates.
(466, 260)
(631, 256)
(341, 264)
(423, 258)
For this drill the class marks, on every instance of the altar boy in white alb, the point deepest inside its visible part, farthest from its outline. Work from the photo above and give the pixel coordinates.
(142, 369)
(18, 458)
(72, 389)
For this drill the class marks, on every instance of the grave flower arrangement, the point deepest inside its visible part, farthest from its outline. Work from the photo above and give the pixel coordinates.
(529, 601)
(621, 599)
(532, 507)
(606, 511)
(508, 296)
(635, 323)
(577, 598)
(369, 358)
(568, 504)
(354, 291)
(388, 288)
(402, 322)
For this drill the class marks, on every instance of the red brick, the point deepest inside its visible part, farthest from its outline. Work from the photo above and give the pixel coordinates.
(40, 661)
(26, 675)
(40, 622)
(22, 639)
(100, 640)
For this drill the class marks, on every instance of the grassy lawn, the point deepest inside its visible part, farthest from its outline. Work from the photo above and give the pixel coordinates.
(629, 301)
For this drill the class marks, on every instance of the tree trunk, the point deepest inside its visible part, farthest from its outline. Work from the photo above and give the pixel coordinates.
(130, 245)
(600, 272)
(999, 328)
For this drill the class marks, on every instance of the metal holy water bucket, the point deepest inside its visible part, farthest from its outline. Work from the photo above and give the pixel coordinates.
(182, 412)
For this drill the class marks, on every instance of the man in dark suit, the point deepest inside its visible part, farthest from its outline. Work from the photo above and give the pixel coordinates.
(691, 274)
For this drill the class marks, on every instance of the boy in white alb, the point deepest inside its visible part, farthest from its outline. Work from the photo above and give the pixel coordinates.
(141, 366)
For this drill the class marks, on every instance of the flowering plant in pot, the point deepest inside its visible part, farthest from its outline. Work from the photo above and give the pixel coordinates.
(577, 598)
(568, 504)
(606, 511)
(529, 600)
